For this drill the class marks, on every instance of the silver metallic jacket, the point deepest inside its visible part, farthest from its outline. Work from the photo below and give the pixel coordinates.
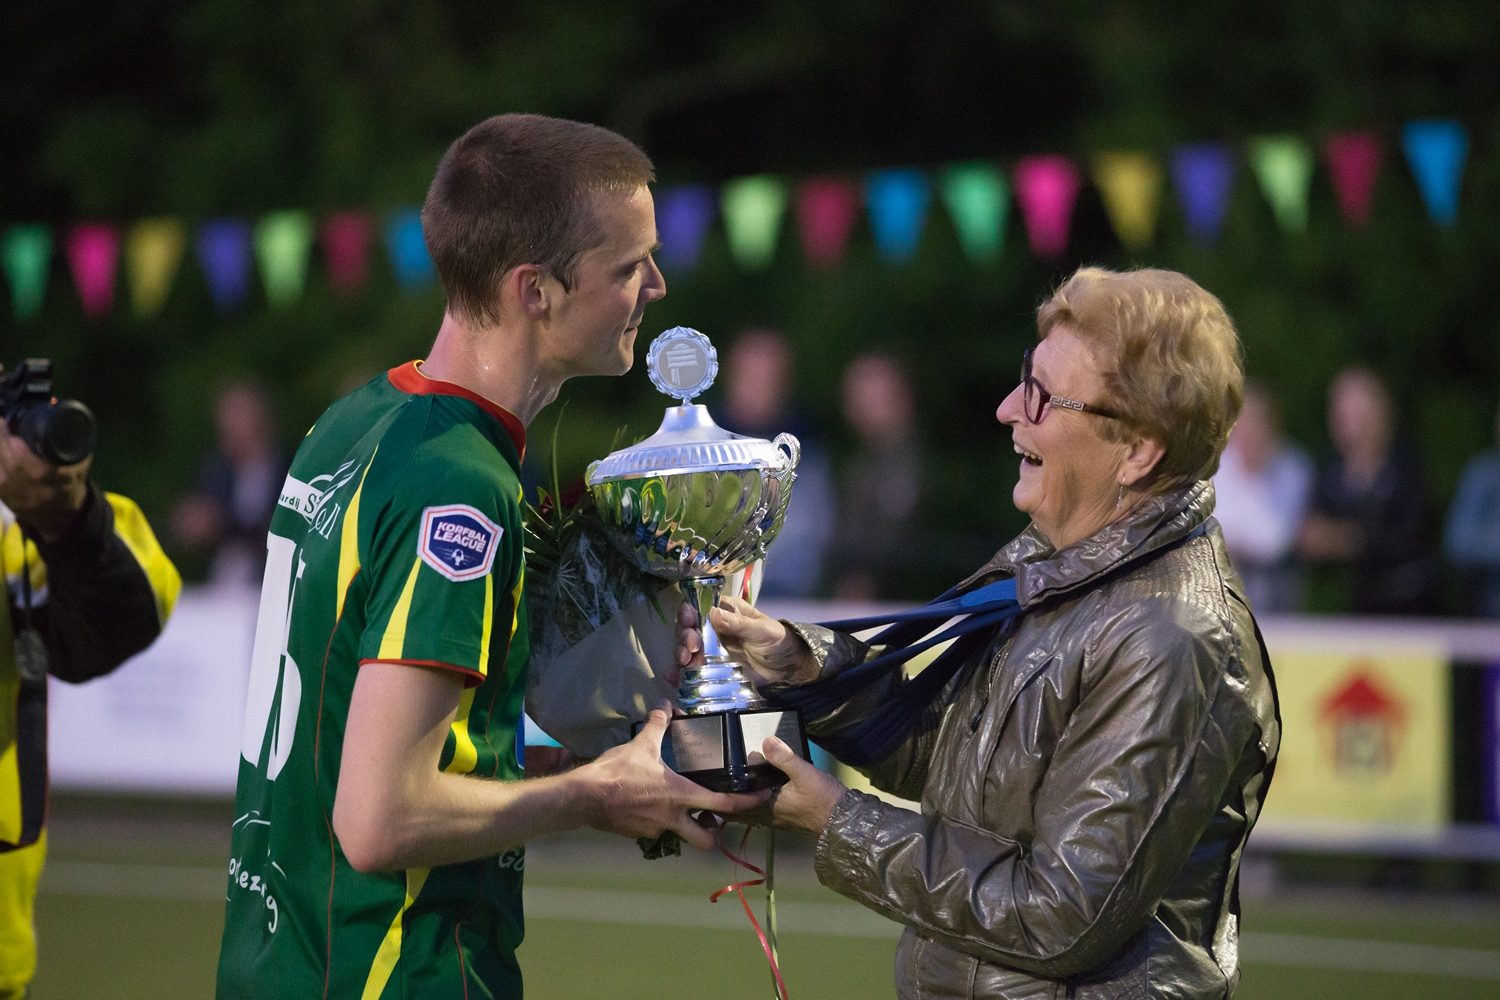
(1087, 791)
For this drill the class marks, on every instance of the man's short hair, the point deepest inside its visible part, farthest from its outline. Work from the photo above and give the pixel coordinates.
(520, 189)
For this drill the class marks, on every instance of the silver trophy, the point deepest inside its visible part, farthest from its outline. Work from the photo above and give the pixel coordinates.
(695, 503)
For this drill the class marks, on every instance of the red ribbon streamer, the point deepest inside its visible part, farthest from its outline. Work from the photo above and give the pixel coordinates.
(737, 888)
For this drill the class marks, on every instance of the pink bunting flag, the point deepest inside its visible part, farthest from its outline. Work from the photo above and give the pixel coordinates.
(1046, 187)
(1353, 160)
(93, 251)
(346, 239)
(826, 210)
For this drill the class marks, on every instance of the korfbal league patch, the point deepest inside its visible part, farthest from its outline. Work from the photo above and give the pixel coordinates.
(458, 541)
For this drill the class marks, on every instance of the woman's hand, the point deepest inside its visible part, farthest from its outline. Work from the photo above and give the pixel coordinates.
(770, 649)
(806, 800)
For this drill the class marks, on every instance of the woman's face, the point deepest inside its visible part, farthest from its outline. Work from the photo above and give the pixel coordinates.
(1069, 481)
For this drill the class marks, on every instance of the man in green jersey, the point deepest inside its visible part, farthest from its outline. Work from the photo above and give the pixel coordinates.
(380, 815)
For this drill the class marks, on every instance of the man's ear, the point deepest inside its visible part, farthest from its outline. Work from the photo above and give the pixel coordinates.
(1141, 459)
(530, 289)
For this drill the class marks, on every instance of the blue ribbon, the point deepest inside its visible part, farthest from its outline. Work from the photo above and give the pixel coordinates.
(907, 634)
(983, 614)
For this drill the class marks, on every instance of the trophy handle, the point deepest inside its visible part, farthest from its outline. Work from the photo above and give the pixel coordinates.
(790, 446)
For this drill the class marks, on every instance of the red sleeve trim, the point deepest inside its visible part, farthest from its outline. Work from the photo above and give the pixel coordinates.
(409, 378)
(472, 677)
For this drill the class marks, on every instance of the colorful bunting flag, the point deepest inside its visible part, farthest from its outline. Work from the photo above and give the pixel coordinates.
(282, 243)
(975, 195)
(346, 239)
(683, 215)
(1353, 160)
(223, 247)
(408, 249)
(26, 252)
(93, 250)
(1046, 188)
(826, 210)
(1436, 150)
(1203, 175)
(153, 253)
(897, 201)
(1130, 183)
(1283, 165)
(752, 208)
(978, 202)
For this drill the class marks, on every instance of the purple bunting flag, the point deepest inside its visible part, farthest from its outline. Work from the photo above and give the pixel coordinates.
(683, 215)
(223, 248)
(1203, 174)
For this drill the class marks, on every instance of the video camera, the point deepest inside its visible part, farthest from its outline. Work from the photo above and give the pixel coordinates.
(61, 431)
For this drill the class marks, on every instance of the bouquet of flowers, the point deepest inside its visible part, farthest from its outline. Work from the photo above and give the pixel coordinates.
(598, 624)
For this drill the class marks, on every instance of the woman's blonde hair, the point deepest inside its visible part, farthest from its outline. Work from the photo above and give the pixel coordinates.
(1170, 358)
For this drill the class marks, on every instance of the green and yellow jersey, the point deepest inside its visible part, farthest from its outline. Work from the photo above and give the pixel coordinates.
(398, 539)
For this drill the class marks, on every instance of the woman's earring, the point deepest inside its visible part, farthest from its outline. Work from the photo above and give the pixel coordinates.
(1120, 497)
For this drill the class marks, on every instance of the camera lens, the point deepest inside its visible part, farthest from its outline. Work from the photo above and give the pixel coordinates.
(62, 432)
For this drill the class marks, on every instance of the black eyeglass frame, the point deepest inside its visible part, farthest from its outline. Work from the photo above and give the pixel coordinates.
(1035, 397)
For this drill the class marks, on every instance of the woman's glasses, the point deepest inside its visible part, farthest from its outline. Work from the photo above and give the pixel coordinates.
(1034, 398)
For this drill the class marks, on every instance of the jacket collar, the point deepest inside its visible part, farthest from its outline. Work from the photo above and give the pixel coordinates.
(1042, 572)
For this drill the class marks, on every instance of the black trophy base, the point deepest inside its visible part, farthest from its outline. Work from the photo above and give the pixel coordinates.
(714, 749)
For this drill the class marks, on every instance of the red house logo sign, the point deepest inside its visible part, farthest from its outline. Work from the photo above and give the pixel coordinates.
(1362, 725)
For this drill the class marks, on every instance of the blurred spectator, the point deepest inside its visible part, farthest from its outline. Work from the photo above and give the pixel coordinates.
(1472, 538)
(880, 490)
(1369, 510)
(229, 510)
(758, 401)
(1262, 488)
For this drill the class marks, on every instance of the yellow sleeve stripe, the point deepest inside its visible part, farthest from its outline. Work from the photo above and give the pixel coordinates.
(389, 952)
(349, 541)
(394, 639)
(465, 754)
(489, 626)
(132, 529)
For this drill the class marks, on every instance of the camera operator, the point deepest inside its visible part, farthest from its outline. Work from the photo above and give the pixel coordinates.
(87, 586)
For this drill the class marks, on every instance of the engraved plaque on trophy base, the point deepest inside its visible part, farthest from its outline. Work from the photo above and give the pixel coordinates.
(713, 749)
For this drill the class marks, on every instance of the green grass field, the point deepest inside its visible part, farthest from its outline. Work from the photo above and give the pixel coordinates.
(131, 907)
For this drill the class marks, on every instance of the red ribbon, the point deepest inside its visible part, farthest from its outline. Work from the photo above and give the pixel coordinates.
(738, 889)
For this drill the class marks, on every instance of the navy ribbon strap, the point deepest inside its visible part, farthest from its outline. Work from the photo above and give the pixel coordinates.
(907, 634)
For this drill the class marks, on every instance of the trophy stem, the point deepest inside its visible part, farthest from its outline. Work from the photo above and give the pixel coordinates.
(719, 683)
(704, 592)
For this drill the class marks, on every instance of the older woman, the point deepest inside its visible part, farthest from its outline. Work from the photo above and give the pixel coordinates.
(1088, 782)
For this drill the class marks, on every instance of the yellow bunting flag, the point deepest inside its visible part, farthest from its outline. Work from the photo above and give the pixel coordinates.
(752, 208)
(153, 252)
(1130, 184)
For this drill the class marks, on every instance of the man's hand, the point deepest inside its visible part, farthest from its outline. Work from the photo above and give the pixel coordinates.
(771, 650)
(639, 796)
(44, 497)
(806, 800)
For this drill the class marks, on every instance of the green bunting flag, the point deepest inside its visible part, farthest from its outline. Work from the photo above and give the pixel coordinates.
(978, 202)
(752, 208)
(26, 253)
(1283, 164)
(282, 243)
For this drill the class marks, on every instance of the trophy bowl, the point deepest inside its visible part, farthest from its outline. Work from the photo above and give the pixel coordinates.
(694, 503)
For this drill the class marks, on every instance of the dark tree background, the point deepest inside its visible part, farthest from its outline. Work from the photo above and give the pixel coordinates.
(234, 107)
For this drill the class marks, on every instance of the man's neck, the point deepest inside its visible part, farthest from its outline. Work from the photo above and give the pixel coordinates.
(499, 363)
